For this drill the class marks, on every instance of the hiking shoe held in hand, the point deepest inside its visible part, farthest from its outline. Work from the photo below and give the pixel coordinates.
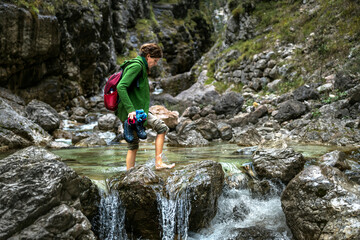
(128, 132)
(140, 130)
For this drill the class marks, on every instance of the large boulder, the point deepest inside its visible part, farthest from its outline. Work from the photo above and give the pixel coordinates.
(41, 197)
(246, 137)
(320, 203)
(43, 114)
(282, 164)
(189, 138)
(207, 128)
(138, 194)
(229, 104)
(149, 198)
(170, 118)
(178, 83)
(201, 184)
(18, 131)
(290, 109)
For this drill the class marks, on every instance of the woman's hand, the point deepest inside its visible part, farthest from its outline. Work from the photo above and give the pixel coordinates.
(132, 115)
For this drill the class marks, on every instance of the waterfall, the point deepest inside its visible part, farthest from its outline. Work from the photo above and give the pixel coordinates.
(174, 215)
(111, 218)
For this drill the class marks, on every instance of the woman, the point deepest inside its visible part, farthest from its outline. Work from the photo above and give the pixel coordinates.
(134, 93)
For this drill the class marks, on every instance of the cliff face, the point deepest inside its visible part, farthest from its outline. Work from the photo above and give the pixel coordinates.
(55, 51)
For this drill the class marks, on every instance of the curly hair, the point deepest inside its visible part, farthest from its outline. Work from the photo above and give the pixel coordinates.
(151, 48)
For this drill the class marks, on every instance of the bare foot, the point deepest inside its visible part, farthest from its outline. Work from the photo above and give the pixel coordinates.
(164, 166)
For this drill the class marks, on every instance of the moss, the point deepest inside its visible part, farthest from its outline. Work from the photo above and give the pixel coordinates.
(221, 87)
(121, 58)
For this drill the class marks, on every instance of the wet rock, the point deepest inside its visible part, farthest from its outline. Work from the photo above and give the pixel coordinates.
(320, 203)
(43, 114)
(254, 233)
(335, 159)
(138, 189)
(305, 92)
(282, 164)
(200, 183)
(354, 94)
(141, 190)
(170, 118)
(246, 137)
(42, 197)
(108, 122)
(290, 109)
(229, 104)
(18, 131)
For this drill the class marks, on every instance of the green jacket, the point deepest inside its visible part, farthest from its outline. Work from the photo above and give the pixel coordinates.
(133, 97)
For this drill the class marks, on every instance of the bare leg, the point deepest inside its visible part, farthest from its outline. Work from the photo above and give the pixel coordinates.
(159, 144)
(130, 159)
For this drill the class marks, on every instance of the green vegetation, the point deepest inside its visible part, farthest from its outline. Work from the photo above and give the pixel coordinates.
(315, 113)
(121, 58)
(337, 95)
(221, 86)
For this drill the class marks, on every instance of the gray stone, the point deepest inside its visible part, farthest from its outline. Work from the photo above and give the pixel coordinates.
(42, 197)
(320, 203)
(20, 129)
(108, 122)
(229, 104)
(281, 164)
(290, 109)
(43, 114)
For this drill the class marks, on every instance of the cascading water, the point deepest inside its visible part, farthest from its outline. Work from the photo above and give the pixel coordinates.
(174, 214)
(111, 218)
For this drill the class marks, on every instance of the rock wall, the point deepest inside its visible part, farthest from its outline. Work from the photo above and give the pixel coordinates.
(68, 51)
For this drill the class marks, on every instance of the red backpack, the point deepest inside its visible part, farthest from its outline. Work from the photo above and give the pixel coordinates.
(111, 97)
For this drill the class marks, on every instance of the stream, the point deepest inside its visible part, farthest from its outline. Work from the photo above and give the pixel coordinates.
(237, 208)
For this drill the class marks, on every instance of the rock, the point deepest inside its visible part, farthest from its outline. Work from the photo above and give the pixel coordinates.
(207, 128)
(354, 94)
(246, 137)
(178, 83)
(170, 118)
(327, 87)
(201, 184)
(225, 131)
(344, 82)
(189, 138)
(79, 114)
(43, 114)
(290, 109)
(320, 203)
(305, 92)
(16, 102)
(282, 164)
(46, 199)
(138, 190)
(244, 119)
(253, 233)
(143, 194)
(190, 112)
(335, 159)
(91, 141)
(229, 104)
(21, 130)
(108, 122)
(199, 93)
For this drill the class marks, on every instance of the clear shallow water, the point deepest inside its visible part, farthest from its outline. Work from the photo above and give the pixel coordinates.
(103, 162)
